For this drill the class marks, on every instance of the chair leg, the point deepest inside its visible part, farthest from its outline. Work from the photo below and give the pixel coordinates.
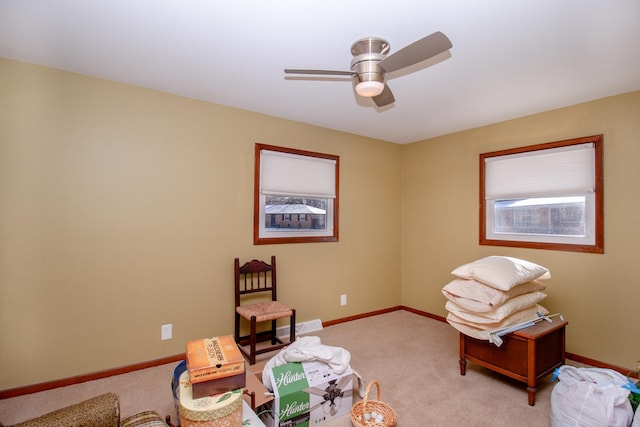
(273, 332)
(252, 343)
(237, 329)
(292, 333)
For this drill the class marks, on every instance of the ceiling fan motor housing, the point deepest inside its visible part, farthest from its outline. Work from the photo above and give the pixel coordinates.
(366, 61)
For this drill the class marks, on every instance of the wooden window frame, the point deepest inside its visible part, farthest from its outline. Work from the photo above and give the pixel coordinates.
(598, 246)
(296, 236)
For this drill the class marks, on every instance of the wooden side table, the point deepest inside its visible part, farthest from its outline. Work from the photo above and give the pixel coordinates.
(526, 355)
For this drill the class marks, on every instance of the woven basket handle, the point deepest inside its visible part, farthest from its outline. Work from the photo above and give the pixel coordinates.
(368, 389)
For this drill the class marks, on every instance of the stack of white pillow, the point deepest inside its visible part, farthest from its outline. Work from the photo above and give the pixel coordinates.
(494, 292)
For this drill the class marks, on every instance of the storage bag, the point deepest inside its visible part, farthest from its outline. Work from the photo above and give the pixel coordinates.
(590, 397)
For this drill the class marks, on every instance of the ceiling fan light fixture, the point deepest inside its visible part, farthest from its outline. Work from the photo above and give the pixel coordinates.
(369, 88)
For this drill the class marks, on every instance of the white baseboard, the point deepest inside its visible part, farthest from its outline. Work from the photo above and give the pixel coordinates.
(301, 328)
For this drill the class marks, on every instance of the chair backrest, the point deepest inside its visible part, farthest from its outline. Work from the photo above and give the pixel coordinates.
(255, 276)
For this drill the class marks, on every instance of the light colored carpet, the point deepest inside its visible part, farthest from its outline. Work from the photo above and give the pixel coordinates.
(414, 358)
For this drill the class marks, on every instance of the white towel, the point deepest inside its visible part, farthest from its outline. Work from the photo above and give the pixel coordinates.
(308, 348)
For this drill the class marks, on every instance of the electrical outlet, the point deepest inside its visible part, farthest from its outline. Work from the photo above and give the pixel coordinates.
(343, 299)
(166, 332)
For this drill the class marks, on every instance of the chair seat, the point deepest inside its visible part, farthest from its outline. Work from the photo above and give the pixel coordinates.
(269, 310)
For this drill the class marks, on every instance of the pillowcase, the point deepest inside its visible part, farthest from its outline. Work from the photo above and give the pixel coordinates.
(481, 332)
(525, 315)
(499, 313)
(501, 272)
(475, 296)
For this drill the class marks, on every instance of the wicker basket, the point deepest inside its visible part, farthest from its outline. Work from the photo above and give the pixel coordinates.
(366, 406)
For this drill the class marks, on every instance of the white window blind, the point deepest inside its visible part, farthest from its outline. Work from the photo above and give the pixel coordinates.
(549, 172)
(297, 175)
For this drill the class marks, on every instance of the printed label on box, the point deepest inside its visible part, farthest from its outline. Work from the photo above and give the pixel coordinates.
(308, 393)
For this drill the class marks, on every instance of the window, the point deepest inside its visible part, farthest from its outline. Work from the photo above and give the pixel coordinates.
(547, 196)
(295, 196)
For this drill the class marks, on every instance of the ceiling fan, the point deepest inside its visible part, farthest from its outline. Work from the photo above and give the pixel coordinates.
(370, 64)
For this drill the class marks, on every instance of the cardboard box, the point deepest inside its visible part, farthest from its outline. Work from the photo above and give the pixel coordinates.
(254, 384)
(212, 358)
(249, 418)
(307, 394)
(215, 365)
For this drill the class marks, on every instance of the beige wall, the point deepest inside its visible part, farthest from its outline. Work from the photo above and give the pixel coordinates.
(121, 209)
(598, 294)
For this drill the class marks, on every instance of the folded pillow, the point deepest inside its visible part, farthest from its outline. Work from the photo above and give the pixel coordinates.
(481, 332)
(476, 296)
(470, 331)
(499, 313)
(501, 272)
(520, 316)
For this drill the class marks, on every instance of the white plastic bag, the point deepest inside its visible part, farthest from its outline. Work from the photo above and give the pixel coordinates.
(634, 389)
(590, 397)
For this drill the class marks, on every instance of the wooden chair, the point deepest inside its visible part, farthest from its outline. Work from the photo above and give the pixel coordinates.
(256, 301)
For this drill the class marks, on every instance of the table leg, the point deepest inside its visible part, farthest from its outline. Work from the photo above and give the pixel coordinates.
(463, 360)
(531, 371)
(463, 366)
(531, 394)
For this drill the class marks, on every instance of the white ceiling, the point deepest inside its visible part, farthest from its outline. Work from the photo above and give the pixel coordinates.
(509, 58)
